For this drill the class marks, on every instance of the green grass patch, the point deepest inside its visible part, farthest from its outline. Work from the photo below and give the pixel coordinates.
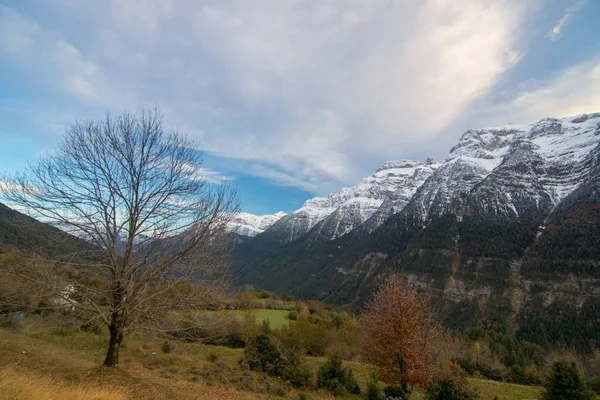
(505, 391)
(276, 318)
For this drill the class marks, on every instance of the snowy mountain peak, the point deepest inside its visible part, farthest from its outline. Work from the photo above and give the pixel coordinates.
(340, 212)
(544, 161)
(499, 168)
(251, 225)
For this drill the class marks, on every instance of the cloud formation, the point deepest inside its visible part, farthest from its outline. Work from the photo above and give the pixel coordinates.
(308, 94)
(206, 174)
(574, 91)
(556, 31)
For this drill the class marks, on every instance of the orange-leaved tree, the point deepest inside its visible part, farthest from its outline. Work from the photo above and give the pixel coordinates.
(396, 334)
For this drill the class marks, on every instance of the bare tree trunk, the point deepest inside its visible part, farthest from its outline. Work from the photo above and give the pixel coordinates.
(116, 337)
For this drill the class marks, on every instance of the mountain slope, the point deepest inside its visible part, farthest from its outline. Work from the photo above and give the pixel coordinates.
(21, 232)
(508, 211)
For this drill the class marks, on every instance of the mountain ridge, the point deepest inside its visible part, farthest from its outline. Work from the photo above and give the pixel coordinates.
(474, 234)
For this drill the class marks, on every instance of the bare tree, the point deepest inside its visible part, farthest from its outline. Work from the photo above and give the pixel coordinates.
(137, 193)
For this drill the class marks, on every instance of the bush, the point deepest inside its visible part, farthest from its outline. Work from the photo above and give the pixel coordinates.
(394, 392)
(315, 337)
(333, 376)
(523, 375)
(473, 368)
(261, 353)
(565, 382)
(293, 315)
(373, 391)
(449, 383)
(166, 347)
(594, 384)
(297, 375)
(264, 354)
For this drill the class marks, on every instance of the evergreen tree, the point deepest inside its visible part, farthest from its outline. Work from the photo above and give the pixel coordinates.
(566, 383)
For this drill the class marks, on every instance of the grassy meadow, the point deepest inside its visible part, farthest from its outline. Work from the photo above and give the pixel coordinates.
(45, 361)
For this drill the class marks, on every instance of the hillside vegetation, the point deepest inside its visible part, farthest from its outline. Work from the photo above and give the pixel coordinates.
(45, 361)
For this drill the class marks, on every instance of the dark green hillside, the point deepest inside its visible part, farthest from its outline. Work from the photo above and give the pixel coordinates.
(565, 264)
(21, 232)
(571, 240)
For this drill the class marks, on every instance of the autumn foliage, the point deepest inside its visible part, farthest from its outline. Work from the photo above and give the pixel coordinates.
(396, 335)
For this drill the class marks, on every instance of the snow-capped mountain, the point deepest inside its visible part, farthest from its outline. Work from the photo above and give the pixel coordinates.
(507, 223)
(251, 225)
(376, 197)
(393, 184)
(507, 169)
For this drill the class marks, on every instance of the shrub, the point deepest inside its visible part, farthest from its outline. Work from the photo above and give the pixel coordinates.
(565, 382)
(271, 304)
(333, 376)
(297, 375)
(166, 347)
(449, 383)
(315, 337)
(523, 375)
(263, 294)
(594, 384)
(276, 357)
(246, 300)
(394, 392)
(373, 390)
(261, 353)
(337, 321)
(317, 308)
(477, 368)
(293, 315)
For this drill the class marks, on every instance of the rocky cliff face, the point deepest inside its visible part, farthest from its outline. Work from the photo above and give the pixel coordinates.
(506, 226)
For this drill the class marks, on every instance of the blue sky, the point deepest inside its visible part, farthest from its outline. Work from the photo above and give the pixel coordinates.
(292, 99)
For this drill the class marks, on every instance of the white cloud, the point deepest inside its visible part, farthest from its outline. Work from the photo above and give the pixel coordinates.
(556, 31)
(55, 64)
(11, 187)
(574, 91)
(206, 174)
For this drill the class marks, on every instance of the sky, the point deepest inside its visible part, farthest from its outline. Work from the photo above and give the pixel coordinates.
(291, 99)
